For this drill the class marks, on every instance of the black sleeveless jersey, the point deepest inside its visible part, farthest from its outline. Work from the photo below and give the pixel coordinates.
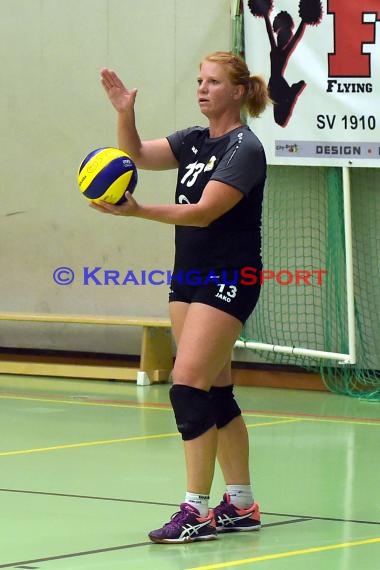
(233, 240)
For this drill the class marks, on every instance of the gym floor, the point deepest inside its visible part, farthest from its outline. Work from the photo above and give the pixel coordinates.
(88, 468)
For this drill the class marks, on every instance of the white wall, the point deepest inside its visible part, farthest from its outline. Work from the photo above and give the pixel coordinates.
(53, 111)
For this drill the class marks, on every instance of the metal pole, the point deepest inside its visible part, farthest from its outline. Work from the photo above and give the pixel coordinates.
(343, 358)
(349, 264)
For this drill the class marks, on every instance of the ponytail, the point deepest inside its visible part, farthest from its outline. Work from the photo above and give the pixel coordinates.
(257, 97)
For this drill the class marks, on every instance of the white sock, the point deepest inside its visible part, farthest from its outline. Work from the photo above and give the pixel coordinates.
(240, 495)
(200, 502)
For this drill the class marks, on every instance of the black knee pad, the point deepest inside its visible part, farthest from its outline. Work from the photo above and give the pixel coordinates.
(224, 405)
(192, 409)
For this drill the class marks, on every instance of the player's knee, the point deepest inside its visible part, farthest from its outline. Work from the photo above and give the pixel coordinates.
(190, 376)
(225, 408)
(192, 409)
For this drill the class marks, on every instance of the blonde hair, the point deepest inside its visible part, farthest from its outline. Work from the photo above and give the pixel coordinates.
(256, 92)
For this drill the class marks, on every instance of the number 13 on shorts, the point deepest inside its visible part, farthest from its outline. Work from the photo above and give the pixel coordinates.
(226, 292)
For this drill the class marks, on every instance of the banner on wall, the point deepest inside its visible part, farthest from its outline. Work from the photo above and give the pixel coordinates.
(322, 63)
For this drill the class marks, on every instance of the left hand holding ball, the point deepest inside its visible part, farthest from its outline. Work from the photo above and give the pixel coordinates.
(128, 208)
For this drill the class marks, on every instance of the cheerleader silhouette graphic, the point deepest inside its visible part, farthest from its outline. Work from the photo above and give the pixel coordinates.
(283, 41)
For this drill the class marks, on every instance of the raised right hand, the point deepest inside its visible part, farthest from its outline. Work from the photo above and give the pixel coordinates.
(121, 98)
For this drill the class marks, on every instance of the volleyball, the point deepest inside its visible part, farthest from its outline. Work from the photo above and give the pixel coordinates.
(106, 174)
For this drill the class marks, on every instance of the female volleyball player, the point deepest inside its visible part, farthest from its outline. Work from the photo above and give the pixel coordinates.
(217, 214)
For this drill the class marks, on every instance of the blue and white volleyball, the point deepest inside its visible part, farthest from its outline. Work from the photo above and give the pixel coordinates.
(106, 174)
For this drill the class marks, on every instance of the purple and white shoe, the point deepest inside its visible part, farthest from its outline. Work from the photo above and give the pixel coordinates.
(229, 518)
(186, 526)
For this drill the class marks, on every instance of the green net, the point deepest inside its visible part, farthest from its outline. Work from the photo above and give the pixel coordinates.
(303, 230)
(237, 27)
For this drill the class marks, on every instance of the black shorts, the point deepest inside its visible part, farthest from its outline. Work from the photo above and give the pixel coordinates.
(225, 293)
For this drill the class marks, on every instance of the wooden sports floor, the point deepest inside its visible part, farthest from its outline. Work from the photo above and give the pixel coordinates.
(88, 468)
